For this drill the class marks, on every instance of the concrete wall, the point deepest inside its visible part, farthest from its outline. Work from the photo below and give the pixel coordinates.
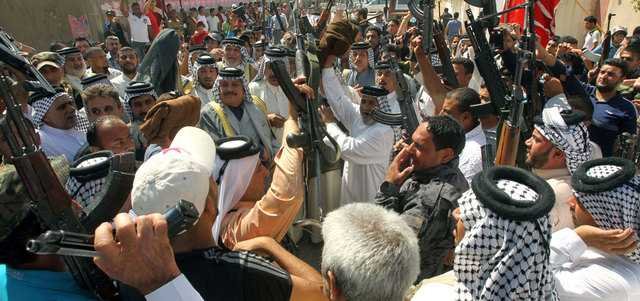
(39, 22)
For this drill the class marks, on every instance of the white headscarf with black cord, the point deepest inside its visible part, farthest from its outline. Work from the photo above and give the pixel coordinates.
(610, 191)
(233, 177)
(504, 254)
(566, 130)
(41, 106)
(266, 59)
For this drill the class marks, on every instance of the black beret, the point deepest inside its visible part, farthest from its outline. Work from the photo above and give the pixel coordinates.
(87, 81)
(139, 87)
(583, 182)
(484, 185)
(206, 59)
(234, 41)
(276, 51)
(198, 47)
(68, 50)
(360, 45)
(374, 91)
(231, 72)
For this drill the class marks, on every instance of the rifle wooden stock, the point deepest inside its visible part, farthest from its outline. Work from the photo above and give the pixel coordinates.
(445, 57)
(324, 17)
(509, 139)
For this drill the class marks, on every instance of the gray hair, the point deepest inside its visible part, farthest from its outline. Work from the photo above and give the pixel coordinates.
(372, 252)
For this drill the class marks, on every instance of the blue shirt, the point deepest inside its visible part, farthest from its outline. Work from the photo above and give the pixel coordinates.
(454, 28)
(18, 285)
(610, 119)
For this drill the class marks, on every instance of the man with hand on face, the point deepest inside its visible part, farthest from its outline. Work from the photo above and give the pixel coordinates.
(266, 87)
(423, 184)
(234, 111)
(600, 259)
(367, 148)
(128, 62)
(204, 75)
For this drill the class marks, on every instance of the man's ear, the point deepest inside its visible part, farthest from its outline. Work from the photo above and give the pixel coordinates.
(333, 290)
(446, 155)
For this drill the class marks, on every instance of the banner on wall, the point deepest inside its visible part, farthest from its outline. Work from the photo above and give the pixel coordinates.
(79, 26)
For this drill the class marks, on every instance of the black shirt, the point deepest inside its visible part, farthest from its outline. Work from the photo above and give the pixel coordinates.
(230, 276)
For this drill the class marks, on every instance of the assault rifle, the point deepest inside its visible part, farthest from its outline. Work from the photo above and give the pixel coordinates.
(606, 49)
(319, 157)
(407, 118)
(324, 19)
(52, 204)
(436, 32)
(180, 218)
(488, 69)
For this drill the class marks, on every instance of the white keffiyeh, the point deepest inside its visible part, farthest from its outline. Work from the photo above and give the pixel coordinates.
(502, 259)
(42, 106)
(216, 87)
(263, 64)
(573, 140)
(617, 208)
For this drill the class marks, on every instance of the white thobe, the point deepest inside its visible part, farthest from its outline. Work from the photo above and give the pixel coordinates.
(205, 95)
(583, 273)
(275, 99)
(178, 289)
(471, 156)
(366, 150)
(74, 81)
(120, 83)
(560, 181)
(56, 142)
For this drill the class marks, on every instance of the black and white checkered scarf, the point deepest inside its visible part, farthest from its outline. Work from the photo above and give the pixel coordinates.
(617, 208)
(216, 87)
(502, 259)
(263, 64)
(244, 56)
(85, 193)
(573, 140)
(196, 67)
(42, 106)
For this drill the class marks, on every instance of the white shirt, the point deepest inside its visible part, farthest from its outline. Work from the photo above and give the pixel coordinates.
(111, 73)
(471, 156)
(178, 289)
(203, 19)
(583, 273)
(425, 106)
(560, 181)
(591, 39)
(277, 102)
(366, 151)
(56, 142)
(205, 95)
(120, 83)
(212, 22)
(139, 28)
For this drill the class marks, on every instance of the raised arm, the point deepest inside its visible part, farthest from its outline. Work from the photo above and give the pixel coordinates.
(124, 8)
(432, 82)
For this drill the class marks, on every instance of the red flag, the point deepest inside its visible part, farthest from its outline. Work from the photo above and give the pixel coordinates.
(544, 17)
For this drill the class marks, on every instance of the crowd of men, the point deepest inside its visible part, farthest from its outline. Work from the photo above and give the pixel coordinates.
(423, 215)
